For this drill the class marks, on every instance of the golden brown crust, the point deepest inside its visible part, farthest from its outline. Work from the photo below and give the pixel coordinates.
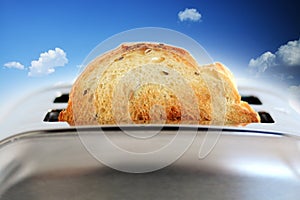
(94, 96)
(66, 115)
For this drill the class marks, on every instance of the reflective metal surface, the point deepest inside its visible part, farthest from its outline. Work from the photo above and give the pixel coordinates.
(45, 159)
(55, 165)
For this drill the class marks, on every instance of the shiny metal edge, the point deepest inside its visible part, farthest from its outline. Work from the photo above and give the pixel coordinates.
(71, 131)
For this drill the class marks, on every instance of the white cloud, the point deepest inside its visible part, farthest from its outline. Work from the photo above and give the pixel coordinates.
(263, 62)
(47, 62)
(14, 64)
(189, 14)
(287, 55)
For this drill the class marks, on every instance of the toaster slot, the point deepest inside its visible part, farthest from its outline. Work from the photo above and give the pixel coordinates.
(253, 100)
(64, 98)
(265, 117)
(52, 115)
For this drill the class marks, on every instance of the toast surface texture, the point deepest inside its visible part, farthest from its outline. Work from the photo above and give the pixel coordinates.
(151, 83)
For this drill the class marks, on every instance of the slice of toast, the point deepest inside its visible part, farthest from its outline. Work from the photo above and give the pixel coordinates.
(155, 83)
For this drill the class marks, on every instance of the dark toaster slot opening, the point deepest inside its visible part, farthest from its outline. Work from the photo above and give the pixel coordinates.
(52, 115)
(64, 98)
(251, 100)
(265, 117)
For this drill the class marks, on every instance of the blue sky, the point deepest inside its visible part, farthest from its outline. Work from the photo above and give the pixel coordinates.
(246, 36)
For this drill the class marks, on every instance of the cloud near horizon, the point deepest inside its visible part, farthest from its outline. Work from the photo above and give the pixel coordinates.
(189, 14)
(14, 64)
(286, 57)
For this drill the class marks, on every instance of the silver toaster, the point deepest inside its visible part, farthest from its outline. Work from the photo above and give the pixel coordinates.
(41, 158)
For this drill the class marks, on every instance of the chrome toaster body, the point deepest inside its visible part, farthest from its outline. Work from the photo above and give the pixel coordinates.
(41, 158)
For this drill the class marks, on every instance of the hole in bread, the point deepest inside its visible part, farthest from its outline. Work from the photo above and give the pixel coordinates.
(165, 72)
(120, 58)
(85, 92)
(147, 51)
